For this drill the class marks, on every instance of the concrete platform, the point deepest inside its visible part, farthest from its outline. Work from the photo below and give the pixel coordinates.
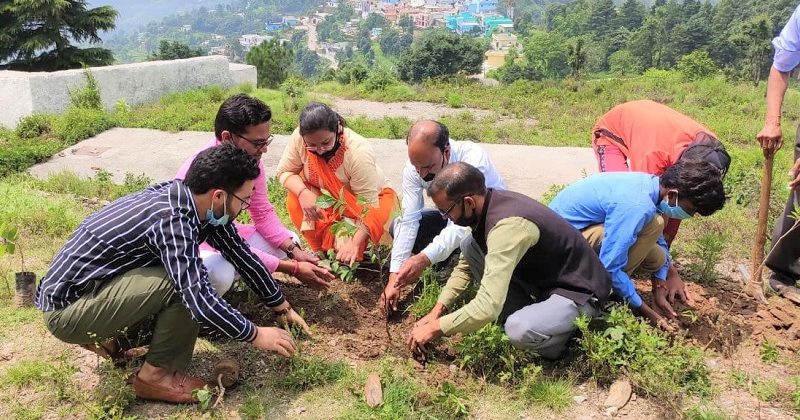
(527, 169)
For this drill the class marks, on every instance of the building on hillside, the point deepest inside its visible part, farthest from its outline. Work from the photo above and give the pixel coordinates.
(482, 6)
(221, 50)
(375, 32)
(217, 37)
(496, 23)
(185, 28)
(290, 21)
(462, 23)
(501, 45)
(248, 41)
(273, 26)
(332, 4)
(421, 20)
(389, 3)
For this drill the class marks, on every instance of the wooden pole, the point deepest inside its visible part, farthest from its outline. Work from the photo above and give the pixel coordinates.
(756, 288)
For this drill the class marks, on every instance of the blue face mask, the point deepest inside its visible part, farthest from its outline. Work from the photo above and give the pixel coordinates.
(213, 220)
(673, 212)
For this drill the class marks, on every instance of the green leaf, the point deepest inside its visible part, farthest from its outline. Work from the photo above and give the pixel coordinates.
(11, 247)
(10, 233)
(325, 201)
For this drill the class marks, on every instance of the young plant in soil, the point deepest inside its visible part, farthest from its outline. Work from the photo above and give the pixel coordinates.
(25, 280)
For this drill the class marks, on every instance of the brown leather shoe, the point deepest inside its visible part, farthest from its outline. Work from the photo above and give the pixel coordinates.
(179, 391)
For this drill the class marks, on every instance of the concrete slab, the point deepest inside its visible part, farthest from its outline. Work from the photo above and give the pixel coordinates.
(530, 170)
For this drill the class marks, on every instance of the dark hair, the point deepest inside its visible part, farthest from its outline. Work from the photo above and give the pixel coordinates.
(698, 181)
(458, 180)
(238, 113)
(317, 116)
(706, 147)
(226, 167)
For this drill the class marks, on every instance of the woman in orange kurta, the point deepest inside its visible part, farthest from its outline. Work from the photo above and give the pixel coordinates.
(323, 154)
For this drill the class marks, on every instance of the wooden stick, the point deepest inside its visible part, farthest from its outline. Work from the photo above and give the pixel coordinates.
(756, 288)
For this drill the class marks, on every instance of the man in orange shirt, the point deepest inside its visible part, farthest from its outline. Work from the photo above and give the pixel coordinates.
(646, 136)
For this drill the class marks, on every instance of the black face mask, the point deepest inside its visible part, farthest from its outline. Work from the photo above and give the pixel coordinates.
(429, 177)
(330, 153)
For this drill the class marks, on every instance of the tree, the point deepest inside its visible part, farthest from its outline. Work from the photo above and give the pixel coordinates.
(374, 20)
(37, 35)
(603, 18)
(696, 65)
(393, 43)
(406, 24)
(754, 38)
(623, 63)
(576, 57)
(173, 50)
(441, 53)
(631, 15)
(546, 53)
(307, 63)
(272, 60)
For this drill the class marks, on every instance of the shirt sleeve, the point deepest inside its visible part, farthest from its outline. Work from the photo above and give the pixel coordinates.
(447, 241)
(265, 219)
(787, 45)
(364, 180)
(291, 162)
(620, 230)
(459, 280)
(407, 225)
(507, 243)
(175, 240)
(253, 272)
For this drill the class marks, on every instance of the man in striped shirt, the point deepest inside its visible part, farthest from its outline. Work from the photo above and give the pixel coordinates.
(139, 256)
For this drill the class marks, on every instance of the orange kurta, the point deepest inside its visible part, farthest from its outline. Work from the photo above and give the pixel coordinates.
(381, 200)
(652, 136)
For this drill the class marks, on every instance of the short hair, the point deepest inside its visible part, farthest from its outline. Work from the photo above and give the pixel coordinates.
(317, 116)
(238, 113)
(698, 181)
(458, 180)
(442, 138)
(225, 167)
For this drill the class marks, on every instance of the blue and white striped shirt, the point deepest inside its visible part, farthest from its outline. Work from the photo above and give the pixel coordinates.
(157, 226)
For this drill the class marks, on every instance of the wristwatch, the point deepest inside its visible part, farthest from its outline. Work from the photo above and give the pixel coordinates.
(289, 249)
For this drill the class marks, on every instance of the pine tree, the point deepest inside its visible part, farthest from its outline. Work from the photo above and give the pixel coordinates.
(37, 35)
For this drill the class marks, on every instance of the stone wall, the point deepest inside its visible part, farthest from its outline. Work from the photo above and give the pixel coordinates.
(23, 93)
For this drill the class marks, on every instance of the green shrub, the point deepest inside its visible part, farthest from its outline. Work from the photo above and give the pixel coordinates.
(628, 346)
(112, 395)
(88, 95)
(18, 154)
(428, 296)
(696, 65)
(454, 100)
(769, 352)
(706, 253)
(34, 126)
(489, 353)
(81, 123)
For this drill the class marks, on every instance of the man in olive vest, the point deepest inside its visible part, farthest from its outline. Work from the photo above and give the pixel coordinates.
(537, 274)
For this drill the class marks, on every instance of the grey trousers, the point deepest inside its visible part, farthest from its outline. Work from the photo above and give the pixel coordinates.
(783, 260)
(544, 326)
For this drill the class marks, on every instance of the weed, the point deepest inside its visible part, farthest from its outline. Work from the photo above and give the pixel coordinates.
(33, 126)
(87, 96)
(204, 396)
(112, 395)
(489, 353)
(306, 372)
(766, 389)
(706, 252)
(796, 393)
(656, 366)
(702, 412)
(451, 402)
(428, 296)
(769, 352)
(740, 379)
(690, 315)
(454, 101)
(555, 394)
(551, 193)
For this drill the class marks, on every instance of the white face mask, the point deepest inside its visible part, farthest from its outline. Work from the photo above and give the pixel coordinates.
(213, 220)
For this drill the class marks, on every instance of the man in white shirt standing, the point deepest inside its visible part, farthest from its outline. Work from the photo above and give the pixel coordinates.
(426, 234)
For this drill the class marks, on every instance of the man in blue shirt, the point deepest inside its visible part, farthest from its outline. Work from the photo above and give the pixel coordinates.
(783, 258)
(619, 213)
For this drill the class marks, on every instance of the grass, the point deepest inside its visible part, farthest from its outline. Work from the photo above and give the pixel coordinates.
(626, 345)
(488, 353)
(427, 298)
(766, 389)
(704, 412)
(555, 394)
(52, 378)
(769, 352)
(306, 372)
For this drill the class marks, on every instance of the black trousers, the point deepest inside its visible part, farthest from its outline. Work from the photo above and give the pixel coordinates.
(783, 259)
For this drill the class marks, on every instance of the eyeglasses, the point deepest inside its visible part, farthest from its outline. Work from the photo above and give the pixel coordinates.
(245, 203)
(322, 147)
(258, 144)
(449, 209)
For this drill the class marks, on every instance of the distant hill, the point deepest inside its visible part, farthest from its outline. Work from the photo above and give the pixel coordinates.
(133, 14)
